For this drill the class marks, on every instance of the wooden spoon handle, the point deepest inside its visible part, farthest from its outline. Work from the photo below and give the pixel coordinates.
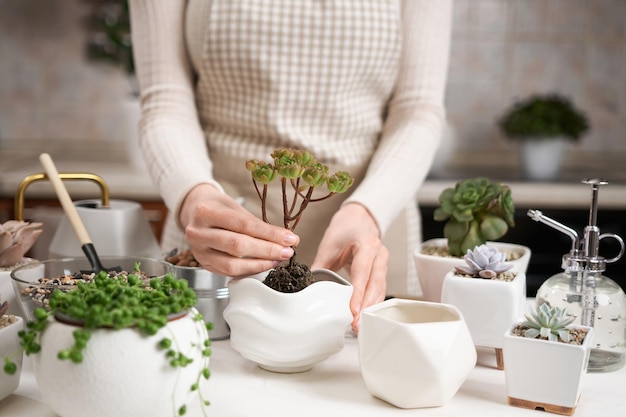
(64, 198)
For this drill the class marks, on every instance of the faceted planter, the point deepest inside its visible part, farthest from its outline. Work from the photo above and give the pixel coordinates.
(123, 372)
(289, 332)
(545, 375)
(10, 348)
(414, 354)
(489, 306)
(431, 269)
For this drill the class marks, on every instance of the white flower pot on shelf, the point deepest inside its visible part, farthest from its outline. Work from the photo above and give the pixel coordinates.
(289, 332)
(489, 306)
(542, 158)
(546, 375)
(431, 269)
(10, 348)
(414, 354)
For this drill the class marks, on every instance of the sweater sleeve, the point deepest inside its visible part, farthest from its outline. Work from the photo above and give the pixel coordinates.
(416, 115)
(170, 134)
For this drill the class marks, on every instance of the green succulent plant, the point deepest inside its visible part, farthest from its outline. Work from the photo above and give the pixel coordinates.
(475, 210)
(548, 323)
(543, 116)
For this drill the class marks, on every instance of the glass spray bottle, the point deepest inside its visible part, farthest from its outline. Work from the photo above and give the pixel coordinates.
(594, 299)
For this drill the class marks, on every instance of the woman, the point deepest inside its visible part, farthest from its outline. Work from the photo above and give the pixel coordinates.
(359, 83)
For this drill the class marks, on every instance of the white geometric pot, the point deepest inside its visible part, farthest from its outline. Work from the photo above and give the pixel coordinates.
(123, 372)
(544, 374)
(414, 354)
(489, 306)
(289, 332)
(431, 269)
(10, 348)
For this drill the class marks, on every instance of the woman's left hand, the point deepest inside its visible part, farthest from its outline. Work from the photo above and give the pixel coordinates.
(352, 240)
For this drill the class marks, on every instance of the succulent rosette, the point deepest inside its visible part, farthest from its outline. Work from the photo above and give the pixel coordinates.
(484, 262)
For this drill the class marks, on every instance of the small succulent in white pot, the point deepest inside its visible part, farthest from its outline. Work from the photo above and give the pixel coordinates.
(546, 359)
(490, 293)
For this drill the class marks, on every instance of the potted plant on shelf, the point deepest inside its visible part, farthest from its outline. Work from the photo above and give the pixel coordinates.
(543, 123)
(10, 349)
(115, 343)
(294, 317)
(489, 293)
(476, 211)
(546, 360)
(16, 239)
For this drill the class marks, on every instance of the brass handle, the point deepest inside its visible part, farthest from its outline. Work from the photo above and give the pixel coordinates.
(21, 188)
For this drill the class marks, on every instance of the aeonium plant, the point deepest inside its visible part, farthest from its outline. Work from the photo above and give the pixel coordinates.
(475, 210)
(300, 174)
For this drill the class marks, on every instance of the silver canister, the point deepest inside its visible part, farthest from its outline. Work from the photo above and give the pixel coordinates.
(213, 295)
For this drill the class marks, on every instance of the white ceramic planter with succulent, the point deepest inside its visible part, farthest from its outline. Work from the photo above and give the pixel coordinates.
(10, 349)
(476, 211)
(490, 293)
(414, 354)
(289, 332)
(546, 361)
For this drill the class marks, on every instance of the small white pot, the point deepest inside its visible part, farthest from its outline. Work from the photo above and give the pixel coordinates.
(10, 347)
(431, 270)
(489, 306)
(414, 354)
(542, 158)
(543, 374)
(7, 290)
(123, 373)
(289, 332)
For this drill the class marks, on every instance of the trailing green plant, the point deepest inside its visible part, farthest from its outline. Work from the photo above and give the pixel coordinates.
(548, 323)
(300, 175)
(118, 301)
(475, 210)
(484, 262)
(542, 117)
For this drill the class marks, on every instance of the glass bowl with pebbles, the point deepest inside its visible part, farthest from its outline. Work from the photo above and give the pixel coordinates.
(34, 282)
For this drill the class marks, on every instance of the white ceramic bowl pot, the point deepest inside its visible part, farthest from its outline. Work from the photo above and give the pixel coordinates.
(541, 374)
(123, 372)
(414, 354)
(289, 332)
(489, 306)
(431, 269)
(10, 348)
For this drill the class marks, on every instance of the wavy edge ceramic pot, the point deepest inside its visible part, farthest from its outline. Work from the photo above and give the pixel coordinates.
(543, 374)
(10, 348)
(289, 332)
(123, 372)
(489, 306)
(431, 270)
(414, 354)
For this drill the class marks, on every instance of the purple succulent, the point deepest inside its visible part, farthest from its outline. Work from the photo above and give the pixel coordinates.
(16, 238)
(484, 261)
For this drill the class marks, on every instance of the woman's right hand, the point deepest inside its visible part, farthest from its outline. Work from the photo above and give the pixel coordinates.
(227, 239)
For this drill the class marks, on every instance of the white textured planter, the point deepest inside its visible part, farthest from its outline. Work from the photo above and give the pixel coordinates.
(289, 332)
(542, 158)
(10, 347)
(431, 270)
(489, 306)
(414, 354)
(543, 374)
(123, 373)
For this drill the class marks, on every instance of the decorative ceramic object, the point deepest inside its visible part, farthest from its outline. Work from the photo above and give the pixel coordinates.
(542, 159)
(414, 354)
(289, 332)
(542, 374)
(121, 372)
(431, 269)
(10, 347)
(489, 306)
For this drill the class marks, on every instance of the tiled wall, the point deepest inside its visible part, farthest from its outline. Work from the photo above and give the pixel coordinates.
(502, 49)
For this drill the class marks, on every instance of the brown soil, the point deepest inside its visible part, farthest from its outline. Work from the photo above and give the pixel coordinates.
(444, 251)
(577, 335)
(292, 277)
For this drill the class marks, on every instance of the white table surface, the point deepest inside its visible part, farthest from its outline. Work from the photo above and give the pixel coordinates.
(238, 388)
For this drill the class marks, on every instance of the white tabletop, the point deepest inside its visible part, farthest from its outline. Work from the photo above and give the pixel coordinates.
(238, 388)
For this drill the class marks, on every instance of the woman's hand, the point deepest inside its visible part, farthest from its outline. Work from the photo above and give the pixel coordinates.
(227, 239)
(352, 240)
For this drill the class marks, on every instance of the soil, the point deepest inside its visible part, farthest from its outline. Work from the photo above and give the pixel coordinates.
(7, 320)
(577, 335)
(444, 252)
(289, 278)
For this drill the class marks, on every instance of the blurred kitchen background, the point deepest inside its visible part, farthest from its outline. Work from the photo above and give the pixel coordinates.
(55, 98)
